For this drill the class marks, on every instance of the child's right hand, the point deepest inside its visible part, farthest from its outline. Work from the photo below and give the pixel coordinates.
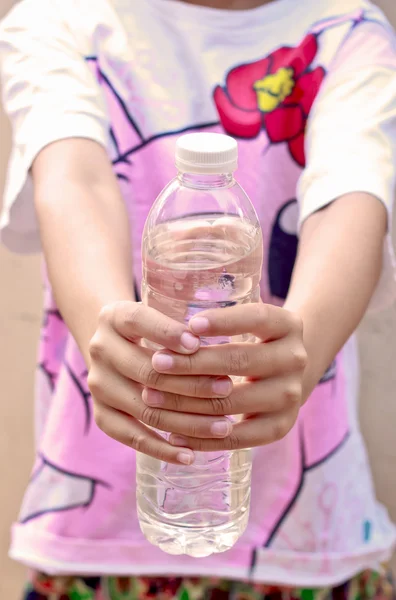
(121, 369)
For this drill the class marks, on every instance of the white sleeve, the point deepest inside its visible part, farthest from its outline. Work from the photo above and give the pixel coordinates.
(351, 135)
(49, 94)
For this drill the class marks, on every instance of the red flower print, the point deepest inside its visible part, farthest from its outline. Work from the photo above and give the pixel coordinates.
(275, 94)
(164, 588)
(51, 585)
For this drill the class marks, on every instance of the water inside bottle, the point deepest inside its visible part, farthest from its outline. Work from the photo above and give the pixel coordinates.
(189, 265)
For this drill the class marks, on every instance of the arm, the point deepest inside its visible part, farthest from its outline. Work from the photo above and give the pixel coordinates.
(351, 155)
(338, 266)
(85, 232)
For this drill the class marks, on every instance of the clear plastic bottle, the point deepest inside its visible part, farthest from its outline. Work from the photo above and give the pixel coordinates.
(202, 248)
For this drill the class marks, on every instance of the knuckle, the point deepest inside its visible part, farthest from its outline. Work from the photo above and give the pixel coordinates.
(132, 315)
(137, 441)
(163, 329)
(159, 453)
(148, 376)
(195, 387)
(281, 428)
(94, 384)
(99, 417)
(97, 348)
(199, 386)
(296, 323)
(300, 358)
(233, 441)
(193, 430)
(153, 378)
(178, 403)
(106, 314)
(236, 361)
(151, 417)
(292, 393)
(200, 445)
(221, 406)
(188, 364)
(224, 319)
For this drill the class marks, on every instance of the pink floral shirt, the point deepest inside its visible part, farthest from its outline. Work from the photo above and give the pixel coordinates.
(308, 90)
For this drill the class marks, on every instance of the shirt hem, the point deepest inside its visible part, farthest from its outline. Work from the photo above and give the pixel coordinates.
(51, 554)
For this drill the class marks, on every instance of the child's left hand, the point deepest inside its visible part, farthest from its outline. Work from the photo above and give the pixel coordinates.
(272, 393)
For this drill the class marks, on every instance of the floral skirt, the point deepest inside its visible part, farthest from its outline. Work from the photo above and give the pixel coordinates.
(366, 586)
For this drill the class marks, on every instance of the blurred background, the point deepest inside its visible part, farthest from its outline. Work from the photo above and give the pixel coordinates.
(20, 316)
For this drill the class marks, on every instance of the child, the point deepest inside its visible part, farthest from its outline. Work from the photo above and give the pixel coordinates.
(98, 92)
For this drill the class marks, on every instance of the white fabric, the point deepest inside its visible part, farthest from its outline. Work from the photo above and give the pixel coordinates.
(351, 138)
(49, 95)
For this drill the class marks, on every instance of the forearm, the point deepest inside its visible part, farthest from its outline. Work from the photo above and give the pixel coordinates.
(336, 272)
(85, 233)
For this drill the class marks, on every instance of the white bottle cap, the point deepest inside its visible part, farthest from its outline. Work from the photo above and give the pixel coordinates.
(206, 154)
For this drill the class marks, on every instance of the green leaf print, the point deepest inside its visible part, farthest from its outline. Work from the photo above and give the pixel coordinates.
(80, 591)
(184, 594)
(307, 594)
(121, 588)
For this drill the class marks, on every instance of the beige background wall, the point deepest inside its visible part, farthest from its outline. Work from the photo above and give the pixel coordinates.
(20, 296)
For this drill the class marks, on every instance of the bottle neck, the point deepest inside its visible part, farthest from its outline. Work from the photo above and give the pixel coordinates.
(204, 182)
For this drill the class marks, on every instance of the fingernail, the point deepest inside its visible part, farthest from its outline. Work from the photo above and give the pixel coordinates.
(189, 341)
(185, 458)
(222, 387)
(221, 428)
(162, 362)
(178, 440)
(199, 324)
(152, 397)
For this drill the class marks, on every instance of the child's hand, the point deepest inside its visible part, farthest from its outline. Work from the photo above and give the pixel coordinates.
(269, 398)
(120, 368)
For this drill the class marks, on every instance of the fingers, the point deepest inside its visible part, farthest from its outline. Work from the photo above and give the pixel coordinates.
(265, 321)
(134, 363)
(131, 432)
(245, 359)
(264, 396)
(254, 431)
(126, 397)
(133, 320)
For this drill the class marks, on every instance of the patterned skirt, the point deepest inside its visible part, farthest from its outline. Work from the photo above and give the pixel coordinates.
(366, 586)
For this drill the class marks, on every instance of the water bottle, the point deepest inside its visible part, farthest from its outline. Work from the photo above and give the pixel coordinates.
(202, 248)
